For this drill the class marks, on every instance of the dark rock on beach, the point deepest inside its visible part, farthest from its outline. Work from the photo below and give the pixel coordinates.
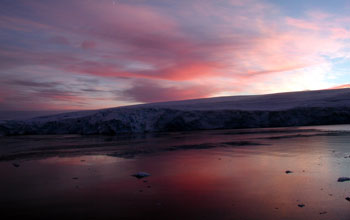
(15, 165)
(343, 179)
(141, 175)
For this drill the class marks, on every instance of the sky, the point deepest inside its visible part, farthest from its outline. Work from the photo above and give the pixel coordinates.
(92, 54)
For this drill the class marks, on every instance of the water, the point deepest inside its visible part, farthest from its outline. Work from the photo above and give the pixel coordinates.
(223, 174)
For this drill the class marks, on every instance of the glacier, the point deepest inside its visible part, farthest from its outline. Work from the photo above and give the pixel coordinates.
(320, 107)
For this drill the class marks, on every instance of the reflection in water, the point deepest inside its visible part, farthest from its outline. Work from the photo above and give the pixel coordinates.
(224, 182)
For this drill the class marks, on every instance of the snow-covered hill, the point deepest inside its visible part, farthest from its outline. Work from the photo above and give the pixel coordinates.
(272, 110)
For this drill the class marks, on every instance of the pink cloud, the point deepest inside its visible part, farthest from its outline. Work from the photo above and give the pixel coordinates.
(345, 86)
(60, 40)
(246, 46)
(302, 24)
(86, 45)
(148, 91)
(340, 33)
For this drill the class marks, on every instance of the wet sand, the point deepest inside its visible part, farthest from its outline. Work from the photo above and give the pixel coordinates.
(223, 174)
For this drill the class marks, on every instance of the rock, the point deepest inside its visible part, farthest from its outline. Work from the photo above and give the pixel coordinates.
(288, 171)
(141, 175)
(301, 205)
(348, 198)
(75, 178)
(15, 165)
(343, 179)
(322, 213)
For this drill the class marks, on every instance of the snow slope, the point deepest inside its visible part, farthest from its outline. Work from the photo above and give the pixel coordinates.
(272, 110)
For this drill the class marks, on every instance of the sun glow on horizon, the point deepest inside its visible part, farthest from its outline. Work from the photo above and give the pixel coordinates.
(109, 53)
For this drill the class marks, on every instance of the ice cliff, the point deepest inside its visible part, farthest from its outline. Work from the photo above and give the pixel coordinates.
(273, 110)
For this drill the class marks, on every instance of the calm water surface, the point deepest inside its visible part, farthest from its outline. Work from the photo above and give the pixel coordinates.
(225, 174)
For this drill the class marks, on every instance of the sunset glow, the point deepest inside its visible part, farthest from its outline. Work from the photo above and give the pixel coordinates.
(73, 54)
